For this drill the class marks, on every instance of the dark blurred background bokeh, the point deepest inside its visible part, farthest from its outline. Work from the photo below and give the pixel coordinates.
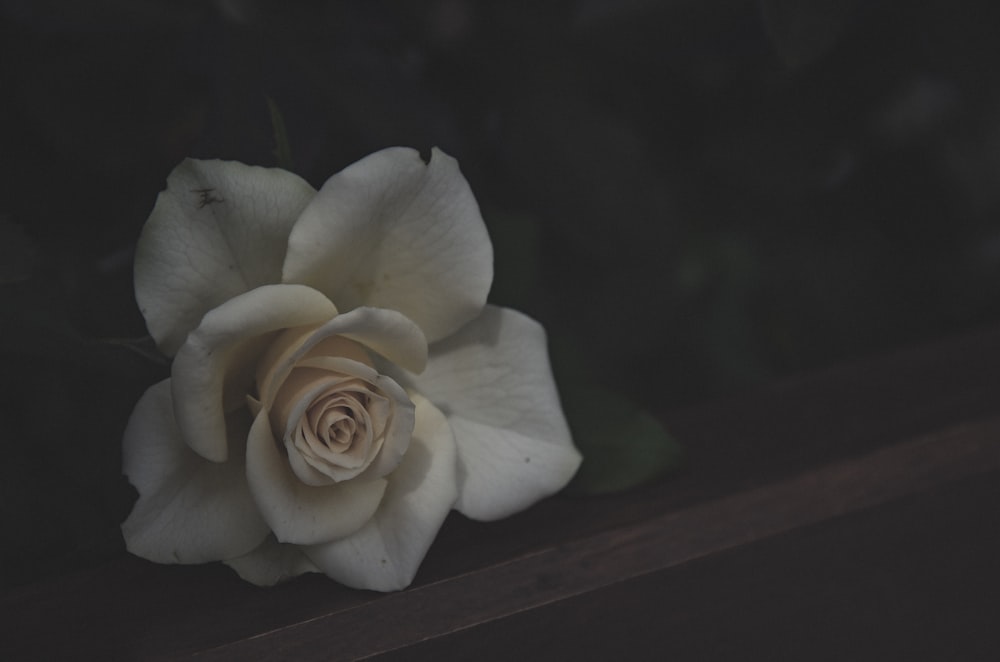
(695, 196)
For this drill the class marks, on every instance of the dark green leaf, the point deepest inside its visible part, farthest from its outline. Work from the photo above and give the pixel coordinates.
(623, 446)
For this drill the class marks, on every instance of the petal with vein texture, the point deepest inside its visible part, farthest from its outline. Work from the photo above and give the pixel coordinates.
(219, 229)
(189, 510)
(393, 232)
(493, 381)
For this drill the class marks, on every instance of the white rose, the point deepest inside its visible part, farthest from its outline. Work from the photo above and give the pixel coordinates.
(338, 383)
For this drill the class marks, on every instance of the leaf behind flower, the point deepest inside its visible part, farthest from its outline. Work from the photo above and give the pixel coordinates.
(623, 445)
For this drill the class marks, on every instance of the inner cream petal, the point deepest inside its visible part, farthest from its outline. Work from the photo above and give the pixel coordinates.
(335, 426)
(305, 470)
(379, 409)
(301, 452)
(330, 428)
(350, 452)
(392, 427)
(342, 347)
(292, 346)
(283, 346)
(301, 388)
(334, 415)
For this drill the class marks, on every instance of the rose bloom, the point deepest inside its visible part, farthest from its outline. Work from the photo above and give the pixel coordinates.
(338, 382)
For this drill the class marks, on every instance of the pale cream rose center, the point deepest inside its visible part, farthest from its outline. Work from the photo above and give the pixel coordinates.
(328, 406)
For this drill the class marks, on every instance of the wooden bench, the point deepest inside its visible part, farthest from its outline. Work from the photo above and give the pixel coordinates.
(850, 514)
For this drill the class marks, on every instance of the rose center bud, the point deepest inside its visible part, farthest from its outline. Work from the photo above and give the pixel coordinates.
(327, 406)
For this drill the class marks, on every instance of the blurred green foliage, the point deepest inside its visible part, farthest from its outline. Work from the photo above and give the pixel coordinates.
(699, 196)
(623, 446)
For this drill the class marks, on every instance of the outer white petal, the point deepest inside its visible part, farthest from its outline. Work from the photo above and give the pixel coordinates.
(272, 563)
(189, 510)
(215, 367)
(503, 472)
(392, 232)
(219, 229)
(493, 381)
(299, 513)
(385, 554)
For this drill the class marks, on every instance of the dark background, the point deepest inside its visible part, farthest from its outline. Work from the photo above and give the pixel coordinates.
(695, 196)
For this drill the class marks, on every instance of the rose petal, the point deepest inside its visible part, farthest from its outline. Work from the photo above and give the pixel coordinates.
(272, 563)
(502, 472)
(217, 357)
(494, 383)
(297, 397)
(392, 232)
(385, 554)
(299, 513)
(218, 230)
(189, 510)
(385, 331)
(399, 426)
